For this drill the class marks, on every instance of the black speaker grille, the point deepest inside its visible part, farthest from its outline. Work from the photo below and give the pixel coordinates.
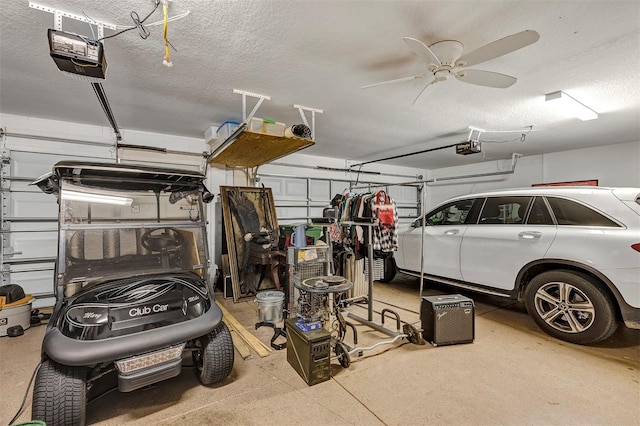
(447, 319)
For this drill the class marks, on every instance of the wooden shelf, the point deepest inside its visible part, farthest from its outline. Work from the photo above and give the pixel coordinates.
(251, 149)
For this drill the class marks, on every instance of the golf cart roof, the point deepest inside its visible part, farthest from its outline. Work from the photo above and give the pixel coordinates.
(77, 169)
(119, 176)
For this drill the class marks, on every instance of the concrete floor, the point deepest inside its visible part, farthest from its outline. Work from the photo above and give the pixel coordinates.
(513, 374)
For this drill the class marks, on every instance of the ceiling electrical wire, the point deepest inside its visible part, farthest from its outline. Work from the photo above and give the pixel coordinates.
(167, 56)
(137, 23)
(89, 20)
(520, 138)
(160, 22)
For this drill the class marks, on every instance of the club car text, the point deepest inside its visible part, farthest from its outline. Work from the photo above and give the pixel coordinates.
(145, 310)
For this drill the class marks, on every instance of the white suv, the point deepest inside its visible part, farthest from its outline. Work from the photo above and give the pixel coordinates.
(571, 253)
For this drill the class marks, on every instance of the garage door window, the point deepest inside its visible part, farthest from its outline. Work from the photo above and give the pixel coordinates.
(569, 212)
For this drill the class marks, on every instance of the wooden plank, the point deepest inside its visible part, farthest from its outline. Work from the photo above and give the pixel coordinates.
(238, 342)
(252, 149)
(252, 340)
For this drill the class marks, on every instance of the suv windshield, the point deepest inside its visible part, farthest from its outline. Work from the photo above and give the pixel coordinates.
(114, 233)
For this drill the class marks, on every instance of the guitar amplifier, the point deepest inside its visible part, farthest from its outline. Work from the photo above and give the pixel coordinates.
(447, 319)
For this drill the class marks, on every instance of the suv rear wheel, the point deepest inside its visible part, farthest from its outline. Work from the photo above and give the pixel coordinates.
(60, 394)
(389, 270)
(570, 306)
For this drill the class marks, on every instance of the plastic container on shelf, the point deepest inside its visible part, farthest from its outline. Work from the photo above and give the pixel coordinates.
(267, 127)
(226, 129)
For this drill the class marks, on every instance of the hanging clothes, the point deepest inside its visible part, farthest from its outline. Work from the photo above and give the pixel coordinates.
(363, 208)
(385, 235)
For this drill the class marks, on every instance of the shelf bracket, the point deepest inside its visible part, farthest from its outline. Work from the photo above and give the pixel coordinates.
(244, 94)
(58, 14)
(313, 111)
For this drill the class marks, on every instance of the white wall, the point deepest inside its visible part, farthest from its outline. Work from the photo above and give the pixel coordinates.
(611, 165)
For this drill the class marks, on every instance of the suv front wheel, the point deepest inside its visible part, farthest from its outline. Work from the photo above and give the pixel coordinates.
(570, 306)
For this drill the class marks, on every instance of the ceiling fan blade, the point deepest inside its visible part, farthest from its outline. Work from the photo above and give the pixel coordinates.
(424, 53)
(422, 91)
(486, 78)
(498, 48)
(397, 80)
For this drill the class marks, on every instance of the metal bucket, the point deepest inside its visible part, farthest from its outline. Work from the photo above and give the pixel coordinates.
(270, 306)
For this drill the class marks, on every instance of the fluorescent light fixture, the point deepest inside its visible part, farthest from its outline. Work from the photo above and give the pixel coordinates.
(576, 108)
(96, 198)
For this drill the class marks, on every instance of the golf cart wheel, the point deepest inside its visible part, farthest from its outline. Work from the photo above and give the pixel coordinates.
(60, 395)
(214, 355)
(343, 355)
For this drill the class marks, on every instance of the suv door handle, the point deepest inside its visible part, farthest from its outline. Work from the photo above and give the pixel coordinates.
(451, 232)
(530, 235)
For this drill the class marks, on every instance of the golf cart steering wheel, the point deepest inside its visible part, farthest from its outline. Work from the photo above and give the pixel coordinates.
(162, 239)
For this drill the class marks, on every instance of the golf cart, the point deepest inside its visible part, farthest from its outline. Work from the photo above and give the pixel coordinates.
(133, 298)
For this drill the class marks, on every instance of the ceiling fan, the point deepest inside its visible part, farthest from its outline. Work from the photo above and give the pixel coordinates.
(443, 59)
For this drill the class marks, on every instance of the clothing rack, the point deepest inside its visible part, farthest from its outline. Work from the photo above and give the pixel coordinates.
(370, 225)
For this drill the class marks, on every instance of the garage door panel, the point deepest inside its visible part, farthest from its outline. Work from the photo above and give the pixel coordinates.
(36, 204)
(315, 211)
(38, 282)
(319, 190)
(407, 211)
(295, 189)
(33, 165)
(44, 226)
(23, 186)
(52, 149)
(291, 212)
(27, 245)
(403, 194)
(276, 185)
(339, 187)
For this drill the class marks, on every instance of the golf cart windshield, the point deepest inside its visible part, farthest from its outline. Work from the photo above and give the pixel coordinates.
(123, 228)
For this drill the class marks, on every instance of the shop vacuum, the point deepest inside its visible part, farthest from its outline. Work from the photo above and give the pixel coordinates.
(15, 310)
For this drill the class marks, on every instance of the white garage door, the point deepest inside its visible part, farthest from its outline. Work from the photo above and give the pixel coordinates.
(297, 199)
(29, 217)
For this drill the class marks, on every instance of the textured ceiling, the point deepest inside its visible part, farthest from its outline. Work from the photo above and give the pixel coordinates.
(319, 53)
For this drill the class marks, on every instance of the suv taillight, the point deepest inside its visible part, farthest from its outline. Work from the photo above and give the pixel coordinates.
(636, 246)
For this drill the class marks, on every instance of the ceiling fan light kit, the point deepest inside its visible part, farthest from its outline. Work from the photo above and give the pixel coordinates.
(443, 59)
(575, 107)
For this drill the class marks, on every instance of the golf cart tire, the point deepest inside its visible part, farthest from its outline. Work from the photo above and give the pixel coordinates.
(60, 395)
(214, 359)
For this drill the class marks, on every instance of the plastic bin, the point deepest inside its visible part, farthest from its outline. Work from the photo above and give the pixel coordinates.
(226, 129)
(267, 127)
